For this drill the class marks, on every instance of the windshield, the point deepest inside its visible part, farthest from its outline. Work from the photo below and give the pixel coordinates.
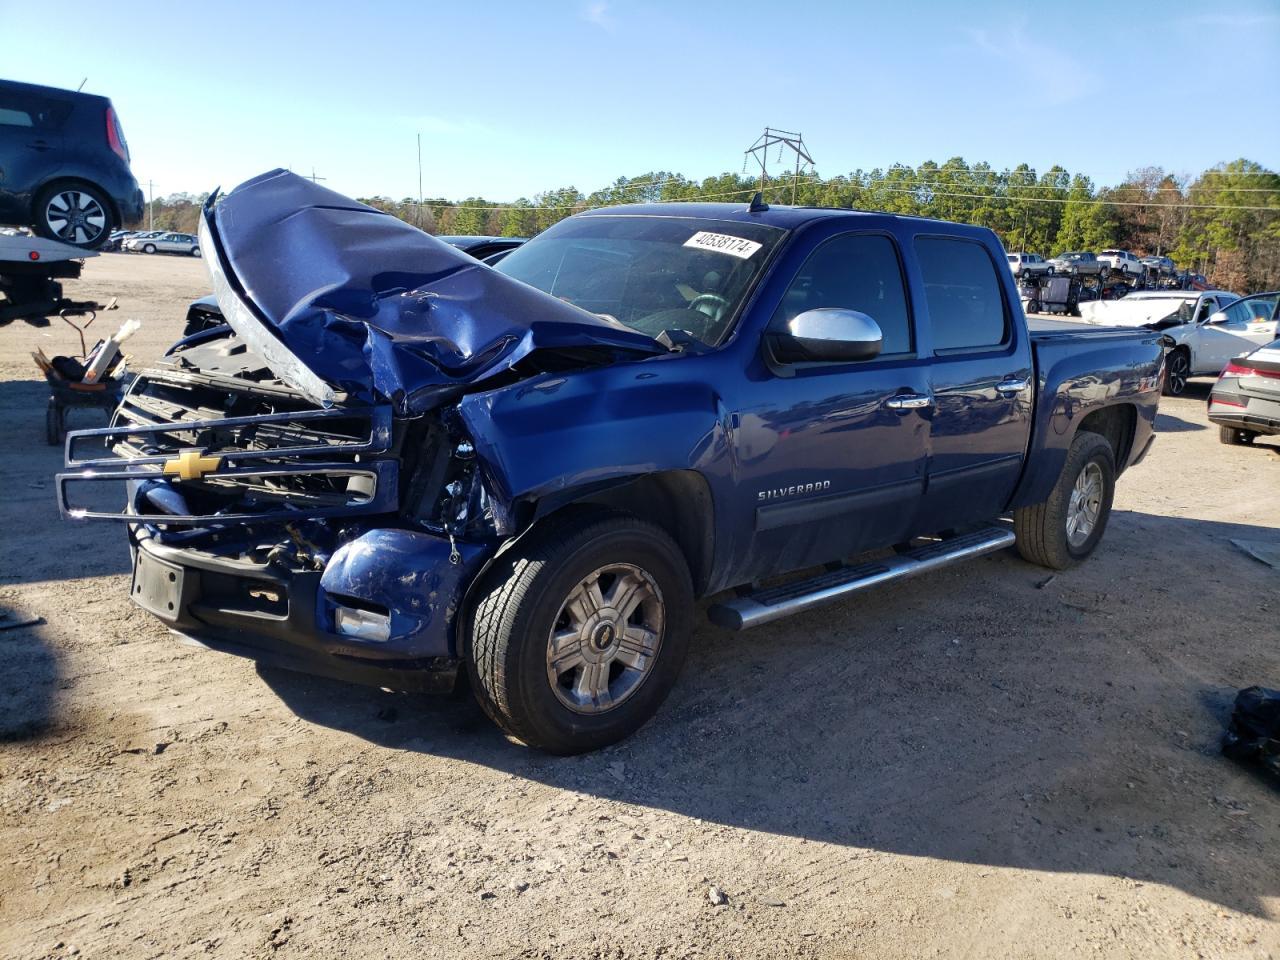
(652, 274)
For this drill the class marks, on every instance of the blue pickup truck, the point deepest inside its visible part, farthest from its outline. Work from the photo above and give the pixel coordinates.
(381, 460)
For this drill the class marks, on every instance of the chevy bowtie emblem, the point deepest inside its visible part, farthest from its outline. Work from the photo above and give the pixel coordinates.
(190, 465)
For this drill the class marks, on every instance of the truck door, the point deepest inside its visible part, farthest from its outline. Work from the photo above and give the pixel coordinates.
(1240, 327)
(831, 455)
(981, 380)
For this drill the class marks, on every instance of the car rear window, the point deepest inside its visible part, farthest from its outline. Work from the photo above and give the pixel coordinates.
(22, 110)
(14, 117)
(966, 308)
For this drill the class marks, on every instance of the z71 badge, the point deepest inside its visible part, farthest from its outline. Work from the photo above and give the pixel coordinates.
(793, 491)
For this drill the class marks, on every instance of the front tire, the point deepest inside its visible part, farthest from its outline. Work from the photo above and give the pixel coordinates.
(149, 248)
(77, 214)
(580, 630)
(1235, 437)
(1177, 370)
(1066, 527)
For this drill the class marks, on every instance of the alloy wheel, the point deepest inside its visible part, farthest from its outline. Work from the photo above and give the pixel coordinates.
(605, 639)
(1085, 504)
(75, 217)
(1179, 370)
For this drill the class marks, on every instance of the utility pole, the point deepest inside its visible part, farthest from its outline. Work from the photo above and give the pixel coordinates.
(419, 181)
(313, 178)
(781, 139)
(151, 207)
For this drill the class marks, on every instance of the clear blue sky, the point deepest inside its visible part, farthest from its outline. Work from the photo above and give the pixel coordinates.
(514, 97)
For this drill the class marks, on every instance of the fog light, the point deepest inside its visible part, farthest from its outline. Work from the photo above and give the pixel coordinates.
(362, 624)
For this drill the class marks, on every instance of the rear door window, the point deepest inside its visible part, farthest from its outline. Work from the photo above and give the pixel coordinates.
(857, 272)
(966, 307)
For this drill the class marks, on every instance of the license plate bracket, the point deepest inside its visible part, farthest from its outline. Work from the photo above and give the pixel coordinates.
(157, 586)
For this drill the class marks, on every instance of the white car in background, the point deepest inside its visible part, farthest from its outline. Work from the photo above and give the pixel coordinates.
(1029, 265)
(1208, 328)
(1123, 262)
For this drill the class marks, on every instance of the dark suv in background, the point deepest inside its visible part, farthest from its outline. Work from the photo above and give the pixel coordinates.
(64, 164)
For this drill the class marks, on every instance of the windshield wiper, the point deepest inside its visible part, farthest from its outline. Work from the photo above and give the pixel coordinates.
(681, 341)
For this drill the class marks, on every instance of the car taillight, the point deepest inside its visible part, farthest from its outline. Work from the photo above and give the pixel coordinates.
(1233, 369)
(114, 139)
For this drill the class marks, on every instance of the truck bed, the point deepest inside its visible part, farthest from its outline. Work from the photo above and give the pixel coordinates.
(1044, 329)
(1080, 367)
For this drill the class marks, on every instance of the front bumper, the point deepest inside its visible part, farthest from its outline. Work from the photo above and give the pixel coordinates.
(285, 617)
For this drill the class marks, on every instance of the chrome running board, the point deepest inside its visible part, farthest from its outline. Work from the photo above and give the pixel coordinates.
(774, 603)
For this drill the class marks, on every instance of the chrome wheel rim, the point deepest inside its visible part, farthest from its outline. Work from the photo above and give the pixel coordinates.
(1085, 505)
(1178, 373)
(75, 217)
(605, 639)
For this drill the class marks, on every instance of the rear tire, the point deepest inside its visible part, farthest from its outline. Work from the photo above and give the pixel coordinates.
(1235, 437)
(566, 673)
(1066, 527)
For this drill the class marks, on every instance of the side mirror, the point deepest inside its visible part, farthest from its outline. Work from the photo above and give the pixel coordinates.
(1218, 317)
(831, 334)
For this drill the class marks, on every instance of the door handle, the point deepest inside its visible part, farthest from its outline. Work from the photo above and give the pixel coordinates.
(909, 401)
(1011, 386)
(40, 145)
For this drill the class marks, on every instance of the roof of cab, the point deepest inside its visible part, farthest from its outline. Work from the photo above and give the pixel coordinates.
(776, 215)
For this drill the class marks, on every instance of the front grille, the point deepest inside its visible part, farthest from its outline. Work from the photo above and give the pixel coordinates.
(198, 447)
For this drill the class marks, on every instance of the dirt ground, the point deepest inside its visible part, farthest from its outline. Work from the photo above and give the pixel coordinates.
(983, 762)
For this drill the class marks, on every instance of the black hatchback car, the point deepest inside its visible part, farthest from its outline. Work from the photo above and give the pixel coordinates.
(64, 164)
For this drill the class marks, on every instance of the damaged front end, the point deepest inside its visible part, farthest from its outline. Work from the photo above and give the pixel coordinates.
(296, 484)
(338, 541)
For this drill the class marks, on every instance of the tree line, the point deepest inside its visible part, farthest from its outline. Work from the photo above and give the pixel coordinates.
(1224, 223)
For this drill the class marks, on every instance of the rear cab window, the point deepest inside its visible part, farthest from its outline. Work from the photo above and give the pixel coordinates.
(962, 291)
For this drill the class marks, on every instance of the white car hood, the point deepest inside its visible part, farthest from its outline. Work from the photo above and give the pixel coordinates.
(1127, 313)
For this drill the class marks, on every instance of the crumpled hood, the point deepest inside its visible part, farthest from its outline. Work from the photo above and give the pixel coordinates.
(348, 303)
(1129, 313)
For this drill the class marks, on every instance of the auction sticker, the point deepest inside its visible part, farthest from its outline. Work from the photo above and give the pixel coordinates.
(723, 243)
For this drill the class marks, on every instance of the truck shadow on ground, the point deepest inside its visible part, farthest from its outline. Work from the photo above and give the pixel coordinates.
(1168, 423)
(981, 715)
(29, 681)
(65, 549)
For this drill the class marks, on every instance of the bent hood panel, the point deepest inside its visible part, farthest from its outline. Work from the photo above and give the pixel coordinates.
(1129, 313)
(345, 299)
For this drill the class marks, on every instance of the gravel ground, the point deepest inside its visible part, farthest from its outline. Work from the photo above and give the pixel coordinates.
(984, 762)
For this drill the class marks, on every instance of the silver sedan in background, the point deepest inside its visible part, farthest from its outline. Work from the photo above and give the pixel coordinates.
(159, 242)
